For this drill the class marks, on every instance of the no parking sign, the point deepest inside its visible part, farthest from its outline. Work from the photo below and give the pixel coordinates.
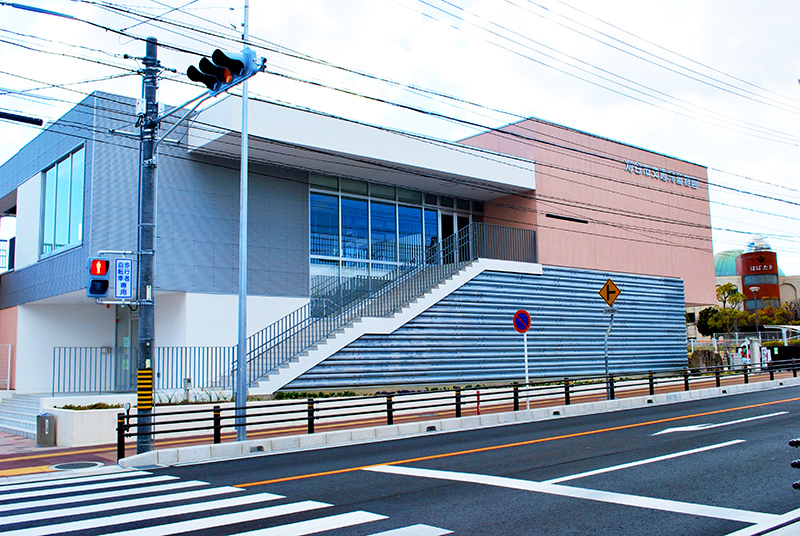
(522, 321)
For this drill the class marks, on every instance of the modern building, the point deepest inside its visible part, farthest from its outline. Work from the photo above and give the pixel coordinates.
(377, 257)
(756, 266)
(756, 273)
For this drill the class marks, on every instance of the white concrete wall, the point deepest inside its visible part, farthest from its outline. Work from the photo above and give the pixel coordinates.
(40, 328)
(170, 319)
(189, 319)
(28, 209)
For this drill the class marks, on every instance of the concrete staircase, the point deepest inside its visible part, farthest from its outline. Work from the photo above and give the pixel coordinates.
(362, 325)
(18, 415)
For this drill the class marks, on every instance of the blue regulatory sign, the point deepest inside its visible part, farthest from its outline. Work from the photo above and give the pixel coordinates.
(522, 321)
(123, 279)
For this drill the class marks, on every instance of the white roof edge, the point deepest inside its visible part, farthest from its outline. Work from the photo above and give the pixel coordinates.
(317, 131)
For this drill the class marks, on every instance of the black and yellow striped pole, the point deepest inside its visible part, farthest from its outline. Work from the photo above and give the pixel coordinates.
(144, 389)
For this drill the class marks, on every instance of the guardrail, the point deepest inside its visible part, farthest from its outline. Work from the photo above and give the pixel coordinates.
(359, 411)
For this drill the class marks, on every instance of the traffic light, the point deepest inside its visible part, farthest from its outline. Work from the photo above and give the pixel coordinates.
(226, 69)
(97, 278)
(796, 463)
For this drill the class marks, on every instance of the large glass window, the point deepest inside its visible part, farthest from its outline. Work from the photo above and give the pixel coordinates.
(62, 203)
(324, 225)
(362, 232)
(431, 227)
(410, 230)
(760, 279)
(355, 228)
(384, 232)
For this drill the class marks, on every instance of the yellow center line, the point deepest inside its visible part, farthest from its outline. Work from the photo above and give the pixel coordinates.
(511, 445)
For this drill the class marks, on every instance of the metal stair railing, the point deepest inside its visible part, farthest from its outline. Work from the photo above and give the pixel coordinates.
(336, 306)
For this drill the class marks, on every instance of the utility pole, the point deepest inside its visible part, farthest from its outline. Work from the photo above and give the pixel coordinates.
(146, 238)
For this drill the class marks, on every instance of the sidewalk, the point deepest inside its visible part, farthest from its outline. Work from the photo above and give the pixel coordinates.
(21, 456)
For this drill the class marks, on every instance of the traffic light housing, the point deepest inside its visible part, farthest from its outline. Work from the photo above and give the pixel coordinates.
(226, 69)
(97, 281)
(796, 463)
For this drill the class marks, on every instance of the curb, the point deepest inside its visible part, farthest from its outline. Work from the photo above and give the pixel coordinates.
(207, 453)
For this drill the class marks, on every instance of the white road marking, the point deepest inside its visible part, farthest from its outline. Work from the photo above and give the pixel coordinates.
(61, 501)
(143, 515)
(581, 493)
(762, 528)
(699, 427)
(86, 487)
(312, 526)
(68, 480)
(224, 519)
(130, 503)
(642, 462)
(415, 530)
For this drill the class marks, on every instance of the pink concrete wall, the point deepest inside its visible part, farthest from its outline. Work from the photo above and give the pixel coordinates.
(641, 220)
(8, 335)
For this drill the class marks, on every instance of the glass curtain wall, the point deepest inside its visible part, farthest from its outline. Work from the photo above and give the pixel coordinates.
(361, 232)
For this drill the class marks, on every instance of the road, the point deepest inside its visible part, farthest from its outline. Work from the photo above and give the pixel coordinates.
(711, 467)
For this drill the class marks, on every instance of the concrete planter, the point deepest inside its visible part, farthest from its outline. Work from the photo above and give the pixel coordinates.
(81, 428)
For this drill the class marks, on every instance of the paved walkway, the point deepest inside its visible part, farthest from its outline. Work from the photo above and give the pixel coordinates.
(21, 456)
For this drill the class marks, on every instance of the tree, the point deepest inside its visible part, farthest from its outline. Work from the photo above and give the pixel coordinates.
(792, 309)
(703, 321)
(728, 294)
(728, 317)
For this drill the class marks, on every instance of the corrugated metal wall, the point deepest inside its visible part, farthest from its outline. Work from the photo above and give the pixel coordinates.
(198, 211)
(469, 336)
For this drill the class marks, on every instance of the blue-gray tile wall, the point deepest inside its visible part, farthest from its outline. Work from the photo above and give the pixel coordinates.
(469, 336)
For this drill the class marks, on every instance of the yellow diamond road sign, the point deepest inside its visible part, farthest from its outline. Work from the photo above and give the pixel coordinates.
(609, 292)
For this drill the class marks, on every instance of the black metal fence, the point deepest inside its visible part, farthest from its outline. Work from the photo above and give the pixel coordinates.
(309, 414)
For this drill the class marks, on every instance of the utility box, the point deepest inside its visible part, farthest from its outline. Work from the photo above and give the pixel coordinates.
(45, 430)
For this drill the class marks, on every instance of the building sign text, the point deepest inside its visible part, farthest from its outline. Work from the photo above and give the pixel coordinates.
(661, 174)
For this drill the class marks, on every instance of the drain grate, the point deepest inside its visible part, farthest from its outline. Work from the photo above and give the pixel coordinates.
(75, 465)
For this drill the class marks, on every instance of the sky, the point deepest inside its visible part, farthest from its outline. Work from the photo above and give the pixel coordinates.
(713, 82)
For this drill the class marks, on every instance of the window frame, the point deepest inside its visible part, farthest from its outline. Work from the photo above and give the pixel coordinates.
(51, 221)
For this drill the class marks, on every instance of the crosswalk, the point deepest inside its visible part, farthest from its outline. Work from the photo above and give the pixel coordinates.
(134, 503)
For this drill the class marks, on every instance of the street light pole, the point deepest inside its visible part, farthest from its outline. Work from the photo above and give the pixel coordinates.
(240, 392)
(755, 290)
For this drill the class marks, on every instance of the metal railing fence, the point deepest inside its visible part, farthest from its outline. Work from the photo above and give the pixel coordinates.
(113, 370)
(204, 367)
(337, 304)
(359, 411)
(5, 367)
(93, 370)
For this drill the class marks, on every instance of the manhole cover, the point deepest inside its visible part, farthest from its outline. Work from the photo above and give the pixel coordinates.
(75, 465)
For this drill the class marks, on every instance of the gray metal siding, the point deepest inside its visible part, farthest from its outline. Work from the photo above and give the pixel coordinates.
(65, 271)
(469, 337)
(197, 211)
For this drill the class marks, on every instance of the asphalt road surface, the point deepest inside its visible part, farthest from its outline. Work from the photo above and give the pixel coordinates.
(709, 467)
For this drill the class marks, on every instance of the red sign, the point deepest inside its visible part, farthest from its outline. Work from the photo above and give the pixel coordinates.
(522, 321)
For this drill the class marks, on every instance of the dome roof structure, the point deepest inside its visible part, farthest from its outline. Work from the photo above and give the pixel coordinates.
(725, 263)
